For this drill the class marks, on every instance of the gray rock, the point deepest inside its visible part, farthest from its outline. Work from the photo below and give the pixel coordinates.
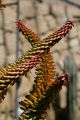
(50, 21)
(26, 46)
(75, 50)
(42, 8)
(73, 32)
(0, 20)
(62, 45)
(26, 9)
(56, 56)
(1, 37)
(11, 58)
(2, 55)
(42, 25)
(25, 87)
(9, 1)
(78, 30)
(73, 11)
(74, 43)
(10, 16)
(31, 24)
(77, 60)
(11, 42)
(47, 1)
(58, 9)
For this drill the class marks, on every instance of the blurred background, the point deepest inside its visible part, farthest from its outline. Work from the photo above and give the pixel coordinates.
(43, 17)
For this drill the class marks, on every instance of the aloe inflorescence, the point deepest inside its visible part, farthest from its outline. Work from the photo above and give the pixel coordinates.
(45, 86)
(10, 74)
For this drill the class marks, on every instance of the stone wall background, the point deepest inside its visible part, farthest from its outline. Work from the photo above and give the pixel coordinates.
(43, 18)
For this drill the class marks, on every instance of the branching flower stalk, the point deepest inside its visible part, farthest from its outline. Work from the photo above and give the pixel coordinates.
(45, 87)
(10, 74)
